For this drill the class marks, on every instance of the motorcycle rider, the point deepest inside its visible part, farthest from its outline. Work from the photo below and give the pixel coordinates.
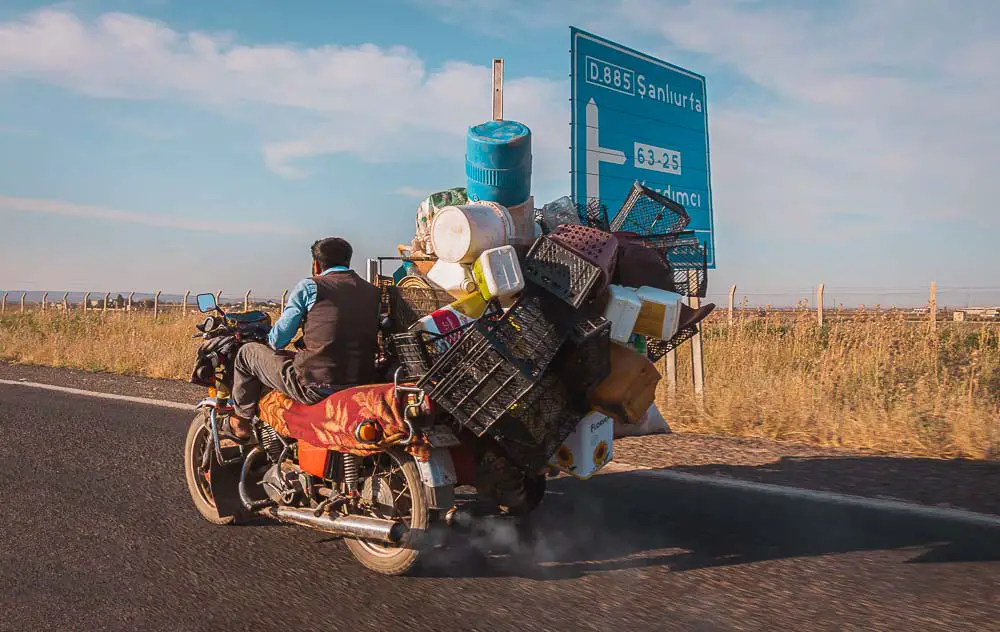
(337, 311)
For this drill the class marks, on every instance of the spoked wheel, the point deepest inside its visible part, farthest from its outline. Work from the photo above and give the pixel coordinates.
(391, 489)
(198, 455)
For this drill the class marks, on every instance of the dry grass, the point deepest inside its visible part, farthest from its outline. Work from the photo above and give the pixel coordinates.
(874, 382)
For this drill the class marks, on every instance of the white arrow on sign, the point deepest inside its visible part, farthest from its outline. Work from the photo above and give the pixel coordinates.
(597, 154)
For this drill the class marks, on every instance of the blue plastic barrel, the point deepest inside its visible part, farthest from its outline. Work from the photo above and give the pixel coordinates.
(498, 162)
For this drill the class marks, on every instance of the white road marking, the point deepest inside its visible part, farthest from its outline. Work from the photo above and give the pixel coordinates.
(120, 398)
(895, 506)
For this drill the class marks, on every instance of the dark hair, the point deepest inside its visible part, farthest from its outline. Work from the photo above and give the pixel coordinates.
(332, 251)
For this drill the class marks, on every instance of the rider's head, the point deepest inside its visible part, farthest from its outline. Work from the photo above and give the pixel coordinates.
(330, 252)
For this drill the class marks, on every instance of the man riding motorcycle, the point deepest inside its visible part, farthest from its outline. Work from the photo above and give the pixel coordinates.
(338, 313)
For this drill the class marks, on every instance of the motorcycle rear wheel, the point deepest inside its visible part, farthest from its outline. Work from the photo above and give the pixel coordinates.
(395, 560)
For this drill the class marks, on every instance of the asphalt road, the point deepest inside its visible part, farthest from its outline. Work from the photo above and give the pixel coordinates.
(98, 533)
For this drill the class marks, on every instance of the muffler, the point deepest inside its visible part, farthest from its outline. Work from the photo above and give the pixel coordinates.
(361, 527)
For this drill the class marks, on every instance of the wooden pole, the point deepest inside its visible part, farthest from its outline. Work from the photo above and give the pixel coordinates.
(497, 89)
(819, 305)
(156, 303)
(246, 301)
(732, 301)
(933, 306)
(697, 360)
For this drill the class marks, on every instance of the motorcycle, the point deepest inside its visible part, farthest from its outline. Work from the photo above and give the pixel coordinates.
(383, 492)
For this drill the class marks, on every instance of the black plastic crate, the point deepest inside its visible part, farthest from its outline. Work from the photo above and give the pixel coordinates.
(593, 213)
(416, 352)
(533, 430)
(407, 305)
(561, 271)
(585, 360)
(689, 263)
(477, 383)
(647, 212)
(532, 331)
(656, 349)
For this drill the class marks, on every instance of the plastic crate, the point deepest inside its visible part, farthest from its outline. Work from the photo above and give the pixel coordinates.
(596, 246)
(647, 212)
(656, 349)
(562, 272)
(532, 331)
(407, 305)
(586, 360)
(689, 264)
(477, 383)
(416, 352)
(593, 213)
(533, 430)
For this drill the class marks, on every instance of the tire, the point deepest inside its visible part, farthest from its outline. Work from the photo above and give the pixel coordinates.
(203, 501)
(530, 497)
(399, 560)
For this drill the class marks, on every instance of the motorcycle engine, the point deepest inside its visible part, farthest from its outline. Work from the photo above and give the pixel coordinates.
(283, 483)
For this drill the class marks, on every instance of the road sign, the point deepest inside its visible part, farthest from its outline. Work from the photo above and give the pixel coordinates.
(636, 118)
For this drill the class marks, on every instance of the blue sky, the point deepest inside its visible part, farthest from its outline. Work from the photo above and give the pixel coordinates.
(174, 144)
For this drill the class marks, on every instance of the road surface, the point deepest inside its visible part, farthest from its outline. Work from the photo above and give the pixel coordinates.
(99, 533)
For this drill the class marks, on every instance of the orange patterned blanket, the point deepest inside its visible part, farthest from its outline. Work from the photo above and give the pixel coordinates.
(333, 422)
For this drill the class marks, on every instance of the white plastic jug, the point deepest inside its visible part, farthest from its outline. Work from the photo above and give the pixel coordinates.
(454, 278)
(589, 448)
(660, 313)
(498, 273)
(459, 234)
(622, 310)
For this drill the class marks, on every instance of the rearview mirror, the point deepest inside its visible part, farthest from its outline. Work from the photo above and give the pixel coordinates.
(206, 303)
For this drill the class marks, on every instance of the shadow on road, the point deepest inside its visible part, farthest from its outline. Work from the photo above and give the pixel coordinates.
(625, 520)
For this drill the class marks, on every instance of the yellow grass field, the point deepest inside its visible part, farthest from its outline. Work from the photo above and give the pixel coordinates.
(873, 382)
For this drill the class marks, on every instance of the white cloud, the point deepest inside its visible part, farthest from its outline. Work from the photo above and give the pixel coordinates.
(376, 103)
(70, 209)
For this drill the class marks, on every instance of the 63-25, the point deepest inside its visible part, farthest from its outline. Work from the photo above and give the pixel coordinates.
(657, 158)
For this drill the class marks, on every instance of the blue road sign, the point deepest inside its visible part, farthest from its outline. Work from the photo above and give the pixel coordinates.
(636, 118)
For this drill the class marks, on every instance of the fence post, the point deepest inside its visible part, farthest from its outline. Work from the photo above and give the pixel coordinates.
(246, 301)
(184, 302)
(128, 306)
(107, 297)
(156, 303)
(218, 298)
(819, 305)
(497, 89)
(284, 297)
(697, 361)
(65, 302)
(45, 297)
(933, 306)
(671, 361)
(3, 303)
(86, 302)
(732, 299)
(24, 297)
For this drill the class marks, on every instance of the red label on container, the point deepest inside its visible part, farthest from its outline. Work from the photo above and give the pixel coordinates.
(445, 320)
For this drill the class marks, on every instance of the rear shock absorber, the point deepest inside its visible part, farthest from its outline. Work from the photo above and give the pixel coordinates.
(352, 470)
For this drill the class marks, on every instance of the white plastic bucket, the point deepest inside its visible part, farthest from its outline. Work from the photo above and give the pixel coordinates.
(459, 234)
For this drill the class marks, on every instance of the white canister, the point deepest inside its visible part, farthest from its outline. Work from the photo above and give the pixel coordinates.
(660, 313)
(498, 273)
(622, 310)
(589, 448)
(454, 278)
(459, 234)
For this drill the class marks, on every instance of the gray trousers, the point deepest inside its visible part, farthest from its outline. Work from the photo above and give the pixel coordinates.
(258, 366)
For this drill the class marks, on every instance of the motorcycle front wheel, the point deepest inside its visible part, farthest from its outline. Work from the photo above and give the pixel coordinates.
(198, 452)
(392, 489)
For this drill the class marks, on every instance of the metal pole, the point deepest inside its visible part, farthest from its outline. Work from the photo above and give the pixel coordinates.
(107, 297)
(371, 271)
(284, 298)
(3, 303)
(246, 301)
(184, 302)
(156, 303)
(86, 302)
(819, 305)
(218, 298)
(128, 306)
(497, 89)
(24, 297)
(65, 302)
(45, 297)
(697, 361)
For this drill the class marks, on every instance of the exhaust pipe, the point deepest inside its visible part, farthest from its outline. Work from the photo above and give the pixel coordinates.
(361, 527)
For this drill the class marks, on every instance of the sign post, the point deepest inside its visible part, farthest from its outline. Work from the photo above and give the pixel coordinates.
(637, 118)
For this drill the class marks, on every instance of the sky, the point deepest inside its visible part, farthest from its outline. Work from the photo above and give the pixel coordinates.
(175, 144)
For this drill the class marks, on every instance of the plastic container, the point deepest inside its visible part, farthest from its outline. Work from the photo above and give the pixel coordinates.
(589, 448)
(660, 313)
(622, 310)
(562, 272)
(498, 162)
(452, 318)
(629, 390)
(454, 278)
(596, 246)
(559, 212)
(497, 273)
(523, 218)
(459, 234)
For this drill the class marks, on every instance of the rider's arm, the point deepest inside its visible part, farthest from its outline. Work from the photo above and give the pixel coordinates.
(301, 301)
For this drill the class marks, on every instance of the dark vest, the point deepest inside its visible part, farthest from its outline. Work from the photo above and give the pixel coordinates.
(340, 332)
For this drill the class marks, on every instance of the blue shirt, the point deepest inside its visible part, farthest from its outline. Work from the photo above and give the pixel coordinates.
(299, 303)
